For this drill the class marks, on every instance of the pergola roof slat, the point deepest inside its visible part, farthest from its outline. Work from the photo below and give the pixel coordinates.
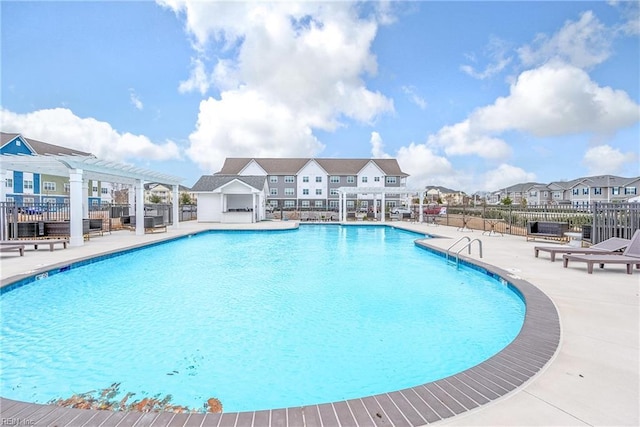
(92, 167)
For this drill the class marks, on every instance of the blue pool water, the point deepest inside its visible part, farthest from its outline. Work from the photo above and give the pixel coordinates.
(257, 319)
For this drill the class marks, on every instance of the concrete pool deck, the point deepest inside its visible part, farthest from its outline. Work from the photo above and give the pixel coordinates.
(593, 379)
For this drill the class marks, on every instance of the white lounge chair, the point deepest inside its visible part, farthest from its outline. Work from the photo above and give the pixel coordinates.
(630, 257)
(609, 246)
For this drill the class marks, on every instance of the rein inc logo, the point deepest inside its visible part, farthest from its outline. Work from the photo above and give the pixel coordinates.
(17, 422)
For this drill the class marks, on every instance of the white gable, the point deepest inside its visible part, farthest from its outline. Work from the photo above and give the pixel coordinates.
(367, 175)
(316, 179)
(236, 187)
(253, 168)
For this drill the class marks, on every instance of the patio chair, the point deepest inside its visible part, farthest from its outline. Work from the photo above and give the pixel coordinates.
(9, 248)
(609, 246)
(630, 257)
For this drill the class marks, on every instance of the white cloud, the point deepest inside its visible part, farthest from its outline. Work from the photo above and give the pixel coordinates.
(60, 126)
(504, 176)
(198, 80)
(135, 99)
(377, 147)
(604, 159)
(244, 124)
(410, 91)
(425, 166)
(497, 52)
(584, 43)
(557, 99)
(460, 140)
(301, 62)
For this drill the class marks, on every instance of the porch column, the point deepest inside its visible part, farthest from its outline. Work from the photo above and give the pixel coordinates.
(76, 237)
(139, 190)
(383, 208)
(421, 216)
(176, 206)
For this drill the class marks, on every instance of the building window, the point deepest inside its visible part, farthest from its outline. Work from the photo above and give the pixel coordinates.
(273, 179)
(318, 204)
(28, 185)
(49, 186)
(305, 203)
(8, 182)
(575, 192)
(318, 179)
(334, 192)
(615, 191)
(351, 179)
(288, 192)
(334, 204)
(305, 179)
(376, 179)
(10, 199)
(289, 203)
(350, 204)
(273, 203)
(334, 180)
(305, 191)
(28, 201)
(391, 180)
(585, 191)
(318, 191)
(365, 179)
(105, 190)
(67, 187)
(629, 190)
(273, 191)
(533, 193)
(597, 190)
(95, 188)
(289, 179)
(49, 200)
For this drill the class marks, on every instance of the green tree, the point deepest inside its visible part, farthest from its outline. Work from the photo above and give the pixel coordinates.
(154, 198)
(185, 199)
(507, 201)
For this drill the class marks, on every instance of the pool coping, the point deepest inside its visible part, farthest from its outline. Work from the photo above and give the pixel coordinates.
(506, 371)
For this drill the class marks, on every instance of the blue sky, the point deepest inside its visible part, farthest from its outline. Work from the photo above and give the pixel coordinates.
(470, 95)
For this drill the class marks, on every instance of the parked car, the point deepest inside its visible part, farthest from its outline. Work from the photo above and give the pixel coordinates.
(400, 210)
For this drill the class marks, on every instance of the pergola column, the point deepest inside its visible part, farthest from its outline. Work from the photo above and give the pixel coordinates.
(383, 208)
(176, 206)
(139, 190)
(76, 237)
(85, 198)
(421, 216)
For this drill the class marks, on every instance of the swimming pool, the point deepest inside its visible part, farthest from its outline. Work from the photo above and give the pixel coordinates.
(335, 312)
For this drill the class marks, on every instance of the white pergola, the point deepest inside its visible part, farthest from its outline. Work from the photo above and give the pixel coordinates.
(81, 169)
(375, 191)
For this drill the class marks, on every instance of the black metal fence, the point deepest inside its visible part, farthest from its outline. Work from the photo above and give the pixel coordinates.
(598, 221)
(39, 219)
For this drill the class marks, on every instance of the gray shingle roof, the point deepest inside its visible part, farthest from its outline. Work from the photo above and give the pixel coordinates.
(291, 166)
(213, 182)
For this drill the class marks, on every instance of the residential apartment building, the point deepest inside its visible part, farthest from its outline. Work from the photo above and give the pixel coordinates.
(26, 188)
(313, 183)
(164, 193)
(578, 192)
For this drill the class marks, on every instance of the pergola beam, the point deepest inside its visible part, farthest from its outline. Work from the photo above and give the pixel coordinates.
(79, 169)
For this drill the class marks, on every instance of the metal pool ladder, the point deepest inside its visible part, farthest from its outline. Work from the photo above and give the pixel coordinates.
(467, 245)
